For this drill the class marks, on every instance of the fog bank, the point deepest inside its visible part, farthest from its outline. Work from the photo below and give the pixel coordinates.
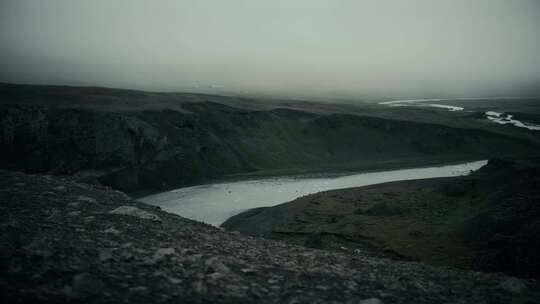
(328, 48)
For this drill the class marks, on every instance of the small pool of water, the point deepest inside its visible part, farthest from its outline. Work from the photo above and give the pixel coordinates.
(215, 203)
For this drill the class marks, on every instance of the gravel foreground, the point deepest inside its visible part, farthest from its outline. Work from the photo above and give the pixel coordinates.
(62, 241)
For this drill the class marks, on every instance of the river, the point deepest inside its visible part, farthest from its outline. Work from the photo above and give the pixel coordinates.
(215, 203)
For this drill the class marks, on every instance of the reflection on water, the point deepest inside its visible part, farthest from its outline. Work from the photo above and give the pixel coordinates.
(215, 203)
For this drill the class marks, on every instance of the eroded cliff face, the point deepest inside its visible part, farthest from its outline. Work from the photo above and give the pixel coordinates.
(156, 149)
(67, 141)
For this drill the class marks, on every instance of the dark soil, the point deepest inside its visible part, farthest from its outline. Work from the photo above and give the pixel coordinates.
(62, 241)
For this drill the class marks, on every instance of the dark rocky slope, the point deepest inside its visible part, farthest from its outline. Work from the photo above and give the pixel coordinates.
(135, 141)
(62, 241)
(487, 221)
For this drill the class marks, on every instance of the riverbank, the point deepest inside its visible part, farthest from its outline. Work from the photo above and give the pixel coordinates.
(486, 221)
(63, 241)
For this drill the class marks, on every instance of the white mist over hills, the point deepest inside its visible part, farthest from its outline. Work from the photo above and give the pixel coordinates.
(421, 48)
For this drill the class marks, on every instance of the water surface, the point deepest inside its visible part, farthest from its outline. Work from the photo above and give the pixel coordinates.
(215, 203)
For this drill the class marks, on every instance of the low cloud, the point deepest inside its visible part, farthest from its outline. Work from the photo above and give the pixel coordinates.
(352, 49)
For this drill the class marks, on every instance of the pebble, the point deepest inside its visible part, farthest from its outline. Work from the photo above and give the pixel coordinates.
(127, 256)
(105, 255)
(513, 285)
(162, 253)
(140, 290)
(247, 270)
(85, 283)
(136, 212)
(112, 230)
(87, 199)
(199, 287)
(175, 280)
(322, 287)
(216, 265)
(371, 301)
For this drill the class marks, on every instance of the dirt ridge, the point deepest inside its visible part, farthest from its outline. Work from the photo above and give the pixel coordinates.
(62, 241)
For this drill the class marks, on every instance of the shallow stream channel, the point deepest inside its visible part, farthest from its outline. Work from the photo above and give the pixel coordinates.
(215, 203)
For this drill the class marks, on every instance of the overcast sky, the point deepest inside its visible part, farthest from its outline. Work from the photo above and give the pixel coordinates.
(304, 47)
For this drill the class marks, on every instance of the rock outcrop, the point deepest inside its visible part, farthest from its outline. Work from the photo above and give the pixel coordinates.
(62, 241)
